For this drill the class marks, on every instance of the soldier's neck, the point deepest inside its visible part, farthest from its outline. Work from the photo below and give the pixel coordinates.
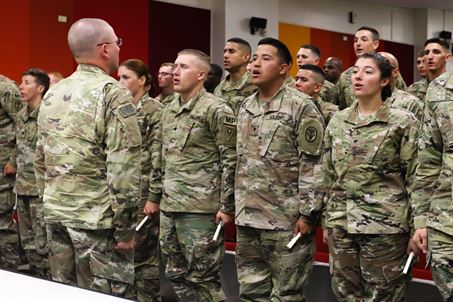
(237, 75)
(434, 74)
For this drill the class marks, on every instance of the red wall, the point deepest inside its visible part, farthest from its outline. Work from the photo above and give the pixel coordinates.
(173, 28)
(32, 36)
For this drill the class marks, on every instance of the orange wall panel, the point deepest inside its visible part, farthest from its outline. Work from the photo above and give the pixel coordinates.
(294, 36)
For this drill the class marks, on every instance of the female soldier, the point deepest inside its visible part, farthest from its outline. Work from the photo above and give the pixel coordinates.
(134, 75)
(369, 161)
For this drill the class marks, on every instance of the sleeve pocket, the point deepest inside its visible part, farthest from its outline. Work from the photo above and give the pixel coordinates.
(115, 267)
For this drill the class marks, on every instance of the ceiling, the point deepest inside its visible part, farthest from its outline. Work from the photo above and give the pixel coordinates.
(440, 4)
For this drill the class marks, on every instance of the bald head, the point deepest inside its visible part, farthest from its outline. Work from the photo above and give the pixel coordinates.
(85, 34)
(391, 58)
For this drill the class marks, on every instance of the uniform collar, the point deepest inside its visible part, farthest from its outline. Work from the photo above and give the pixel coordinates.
(189, 105)
(449, 83)
(25, 115)
(239, 84)
(382, 115)
(272, 105)
(90, 68)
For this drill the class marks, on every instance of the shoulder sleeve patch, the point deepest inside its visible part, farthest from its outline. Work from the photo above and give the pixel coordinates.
(311, 136)
(127, 110)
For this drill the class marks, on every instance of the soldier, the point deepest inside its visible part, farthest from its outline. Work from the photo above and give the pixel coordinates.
(310, 54)
(400, 98)
(333, 67)
(237, 84)
(32, 228)
(419, 88)
(165, 82)
(87, 166)
(199, 160)
(309, 80)
(432, 190)
(134, 75)
(10, 104)
(366, 40)
(54, 77)
(214, 78)
(369, 161)
(279, 143)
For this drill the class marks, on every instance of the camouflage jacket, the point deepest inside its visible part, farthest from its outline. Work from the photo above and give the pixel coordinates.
(342, 94)
(148, 115)
(199, 155)
(279, 145)
(419, 88)
(326, 91)
(87, 160)
(26, 128)
(10, 104)
(166, 99)
(368, 165)
(432, 202)
(404, 100)
(327, 109)
(234, 93)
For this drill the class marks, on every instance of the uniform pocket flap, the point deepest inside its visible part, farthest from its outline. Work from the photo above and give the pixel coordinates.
(110, 268)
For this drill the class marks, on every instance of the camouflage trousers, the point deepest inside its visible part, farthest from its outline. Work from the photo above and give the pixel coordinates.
(368, 267)
(267, 269)
(33, 236)
(9, 239)
(441, 255)
(146, 261)
(86, 258)
(192, 260)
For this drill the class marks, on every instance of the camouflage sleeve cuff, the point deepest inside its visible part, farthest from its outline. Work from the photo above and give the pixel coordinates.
(308, 219)
(420, 221)
(124, 235)
(155, 198)
(227, 208)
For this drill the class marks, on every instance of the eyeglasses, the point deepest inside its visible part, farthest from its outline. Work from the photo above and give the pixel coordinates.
(164, 74)
(118, 42)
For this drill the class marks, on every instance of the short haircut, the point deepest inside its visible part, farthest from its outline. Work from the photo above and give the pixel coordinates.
(282, 49)
(169, 64)
(314, 49)
(41, 78)
(84, 35)
(141, 70)
(244, 44)
(420, 53)
(315, 69)
(439, 41)
(374, 32)
(204, 58)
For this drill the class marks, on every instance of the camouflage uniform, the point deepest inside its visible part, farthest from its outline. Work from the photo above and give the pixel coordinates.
(165, 99)
(147, 239)
(32, 228)
(234, 93)
(199, 160)
(10, 104)
(326, 91)
(419, 88)
(404, 100)
(432, 202)
(87, 167)
(342, 94)
(368, 163)
(327, 109)
(279, 144)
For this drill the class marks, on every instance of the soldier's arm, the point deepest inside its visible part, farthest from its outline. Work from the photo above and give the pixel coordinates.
(155, 149)
(429, 165)
(223, 127)
(310, 133)
(408, 156)
(122, 142)
(328, 172)
(39, 163)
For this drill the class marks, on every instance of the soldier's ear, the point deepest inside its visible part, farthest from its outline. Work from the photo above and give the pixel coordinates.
(40, 89)
(284, 68)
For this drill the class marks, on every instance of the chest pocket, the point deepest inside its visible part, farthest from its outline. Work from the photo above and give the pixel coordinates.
(278, 144)
(378, 148)
(186, 135)
(444, 114)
